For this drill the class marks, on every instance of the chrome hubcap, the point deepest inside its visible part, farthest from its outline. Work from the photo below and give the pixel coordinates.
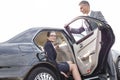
(44, 76)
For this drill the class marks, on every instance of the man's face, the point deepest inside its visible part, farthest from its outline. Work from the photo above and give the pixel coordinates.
(84, 8)
(52, 36)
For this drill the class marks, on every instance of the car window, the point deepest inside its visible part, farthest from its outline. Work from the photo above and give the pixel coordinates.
(82, 28)
(64, 52)
(79, 29)
(24, 37)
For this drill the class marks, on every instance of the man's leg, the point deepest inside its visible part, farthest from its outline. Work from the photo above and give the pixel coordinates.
(111, 67)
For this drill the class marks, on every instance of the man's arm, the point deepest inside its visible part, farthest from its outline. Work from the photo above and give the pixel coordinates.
(77, 31)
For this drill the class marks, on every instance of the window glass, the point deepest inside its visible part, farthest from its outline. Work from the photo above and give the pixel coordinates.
(79, 29)
(24, 37)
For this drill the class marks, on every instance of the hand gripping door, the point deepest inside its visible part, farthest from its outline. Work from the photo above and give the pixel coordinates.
(92, 40)
(87, 44)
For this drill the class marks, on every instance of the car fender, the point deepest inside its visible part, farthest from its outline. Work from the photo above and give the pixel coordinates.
(115, 55)
(43, 64)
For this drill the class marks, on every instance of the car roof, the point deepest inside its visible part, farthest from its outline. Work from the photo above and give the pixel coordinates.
(29, 34)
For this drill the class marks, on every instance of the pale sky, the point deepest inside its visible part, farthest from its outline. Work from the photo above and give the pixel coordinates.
(19, 15)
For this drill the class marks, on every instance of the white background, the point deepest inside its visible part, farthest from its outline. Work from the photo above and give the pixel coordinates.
(19, 15)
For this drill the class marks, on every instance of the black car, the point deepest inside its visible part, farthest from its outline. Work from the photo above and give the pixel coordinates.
(85, 41)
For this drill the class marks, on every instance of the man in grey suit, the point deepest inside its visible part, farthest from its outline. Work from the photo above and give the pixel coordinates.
(85, 9)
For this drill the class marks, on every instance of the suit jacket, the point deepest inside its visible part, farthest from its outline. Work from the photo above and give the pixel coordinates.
(50, 51)
(98, 15)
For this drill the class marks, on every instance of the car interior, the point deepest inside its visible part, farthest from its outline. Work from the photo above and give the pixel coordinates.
(64, 52)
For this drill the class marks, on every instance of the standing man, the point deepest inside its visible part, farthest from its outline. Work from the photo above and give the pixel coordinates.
(85, 9)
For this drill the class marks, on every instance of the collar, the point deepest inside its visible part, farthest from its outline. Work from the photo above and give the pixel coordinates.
(87, 14)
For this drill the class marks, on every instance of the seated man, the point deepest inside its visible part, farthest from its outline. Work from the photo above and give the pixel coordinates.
(64, 67)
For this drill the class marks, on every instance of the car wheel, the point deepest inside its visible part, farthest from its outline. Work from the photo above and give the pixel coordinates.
(118, 68)
(42, 73)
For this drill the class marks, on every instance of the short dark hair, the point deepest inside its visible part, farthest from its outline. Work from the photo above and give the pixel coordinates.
(49, 32)
(84, 2)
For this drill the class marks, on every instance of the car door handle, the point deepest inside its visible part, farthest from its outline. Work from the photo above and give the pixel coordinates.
(86, 56)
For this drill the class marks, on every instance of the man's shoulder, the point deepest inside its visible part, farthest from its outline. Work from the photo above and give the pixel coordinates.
(95, 11)
(48, 43)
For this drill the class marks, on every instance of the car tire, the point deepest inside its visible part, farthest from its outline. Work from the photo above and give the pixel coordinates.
(118, 68)
(42, 73)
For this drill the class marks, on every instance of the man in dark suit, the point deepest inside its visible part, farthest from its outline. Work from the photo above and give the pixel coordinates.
(85, 9)
(64, 67)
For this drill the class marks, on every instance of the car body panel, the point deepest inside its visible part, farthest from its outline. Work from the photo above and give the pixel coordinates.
(18, 55)
(24, 52)
(115, 55)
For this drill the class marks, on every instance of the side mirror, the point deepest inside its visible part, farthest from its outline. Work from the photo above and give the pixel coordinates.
(42, 56)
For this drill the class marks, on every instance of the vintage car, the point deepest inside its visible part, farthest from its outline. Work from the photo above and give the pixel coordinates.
(85, 41)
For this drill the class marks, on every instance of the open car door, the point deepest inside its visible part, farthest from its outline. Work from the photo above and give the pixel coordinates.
(92, 40)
